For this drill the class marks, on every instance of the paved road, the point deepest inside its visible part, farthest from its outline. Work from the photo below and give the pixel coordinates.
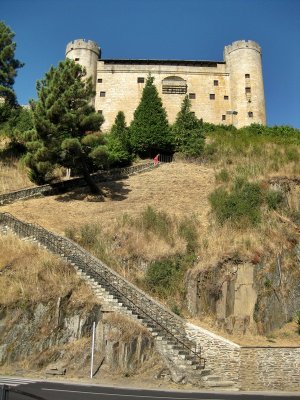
(66, 391)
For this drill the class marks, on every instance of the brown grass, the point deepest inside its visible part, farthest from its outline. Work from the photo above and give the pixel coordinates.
(13, 177)
(286, 336)
(177, 189)
(30, 274)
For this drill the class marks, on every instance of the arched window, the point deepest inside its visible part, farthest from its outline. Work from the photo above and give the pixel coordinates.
(174, 85)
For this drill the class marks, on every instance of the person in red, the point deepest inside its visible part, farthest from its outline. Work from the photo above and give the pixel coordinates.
(155, 159)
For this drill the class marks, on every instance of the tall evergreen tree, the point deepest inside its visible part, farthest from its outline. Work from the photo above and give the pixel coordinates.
(8, 71)
(64, 121)
(118, 142)
(188, 131)
(149, 130)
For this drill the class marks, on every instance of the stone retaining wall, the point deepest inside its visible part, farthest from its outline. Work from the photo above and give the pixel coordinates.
(270, 368)
(59, 187)
(222, 356)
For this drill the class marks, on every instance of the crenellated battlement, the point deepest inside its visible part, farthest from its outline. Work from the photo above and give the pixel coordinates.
(83, 44)
(242, 44)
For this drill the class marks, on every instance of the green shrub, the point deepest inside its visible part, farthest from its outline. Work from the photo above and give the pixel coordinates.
(187, 230)
(274, 199)
(298, 321)
(241, 205)
(157, 222)
(88, 234)
(163, 277)
(223, 176)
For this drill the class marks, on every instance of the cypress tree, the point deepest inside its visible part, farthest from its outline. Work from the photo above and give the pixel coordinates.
(149, 131)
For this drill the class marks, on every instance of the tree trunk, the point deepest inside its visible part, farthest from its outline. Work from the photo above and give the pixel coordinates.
(90, 181)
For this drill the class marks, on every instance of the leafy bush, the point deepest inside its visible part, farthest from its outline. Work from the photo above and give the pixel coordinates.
(274, 198)
(188, 231)
(223, 176)
(157, 222)
(163, 277)
(298, 321)
(241, 205)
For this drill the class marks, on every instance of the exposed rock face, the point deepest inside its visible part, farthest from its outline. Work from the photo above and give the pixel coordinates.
(244, 295)
(57, 332)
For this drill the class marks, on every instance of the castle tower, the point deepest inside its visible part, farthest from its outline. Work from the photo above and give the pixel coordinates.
(86, 53)
(243, 60)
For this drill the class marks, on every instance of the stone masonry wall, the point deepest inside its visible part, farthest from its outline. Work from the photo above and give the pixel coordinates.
(269, 368)
(222, 356)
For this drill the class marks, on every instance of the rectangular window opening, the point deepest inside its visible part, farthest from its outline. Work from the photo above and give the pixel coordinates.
(247, 76)
(102, 94)
(248, 89)
(76, 59)
(212, 96)
(223, 117)
(226, 97)
(174, 89)
(140, 80)
(192, 95)
(100, 112)
(216, 83)
(99, 80)
(250, 114)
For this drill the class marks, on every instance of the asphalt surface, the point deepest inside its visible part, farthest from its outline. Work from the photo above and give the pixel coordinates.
(66, 391)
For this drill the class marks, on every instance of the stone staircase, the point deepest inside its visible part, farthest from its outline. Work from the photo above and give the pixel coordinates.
(181, 354)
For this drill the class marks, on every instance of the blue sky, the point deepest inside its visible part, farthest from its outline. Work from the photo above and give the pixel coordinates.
(163, 29)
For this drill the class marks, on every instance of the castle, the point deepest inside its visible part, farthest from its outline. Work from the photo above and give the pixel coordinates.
(221, 92)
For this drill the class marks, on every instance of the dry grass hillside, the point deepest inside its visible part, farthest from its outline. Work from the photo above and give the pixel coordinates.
(114, 225)
(177, 189)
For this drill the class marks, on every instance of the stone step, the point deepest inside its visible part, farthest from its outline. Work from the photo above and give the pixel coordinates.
(219, 384)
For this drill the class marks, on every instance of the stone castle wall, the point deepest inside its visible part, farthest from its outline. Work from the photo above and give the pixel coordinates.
(123, 92)
(217, 89)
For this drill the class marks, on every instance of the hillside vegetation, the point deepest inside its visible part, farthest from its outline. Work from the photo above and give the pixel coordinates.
(187, 216)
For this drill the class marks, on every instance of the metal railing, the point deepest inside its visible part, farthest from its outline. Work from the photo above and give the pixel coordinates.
(169, 324)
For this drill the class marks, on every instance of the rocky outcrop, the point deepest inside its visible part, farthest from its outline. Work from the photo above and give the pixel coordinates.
(245, 295)
(56, 333)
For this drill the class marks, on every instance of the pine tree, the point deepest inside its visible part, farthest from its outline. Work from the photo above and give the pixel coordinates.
(149, 131)
(64, 120)
(188, 131)
(8, 71)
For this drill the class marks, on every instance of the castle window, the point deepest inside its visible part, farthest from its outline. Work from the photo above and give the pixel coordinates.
(248, 89)
(99, 80)
(102, 94)
(216, 83)
(212, 96)
(247, 76)
(140, 80)
(174, 85)
(76, 59)
(226, 97)
(250, 114)
(223, 117)
(192, 95)
(100, 112)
